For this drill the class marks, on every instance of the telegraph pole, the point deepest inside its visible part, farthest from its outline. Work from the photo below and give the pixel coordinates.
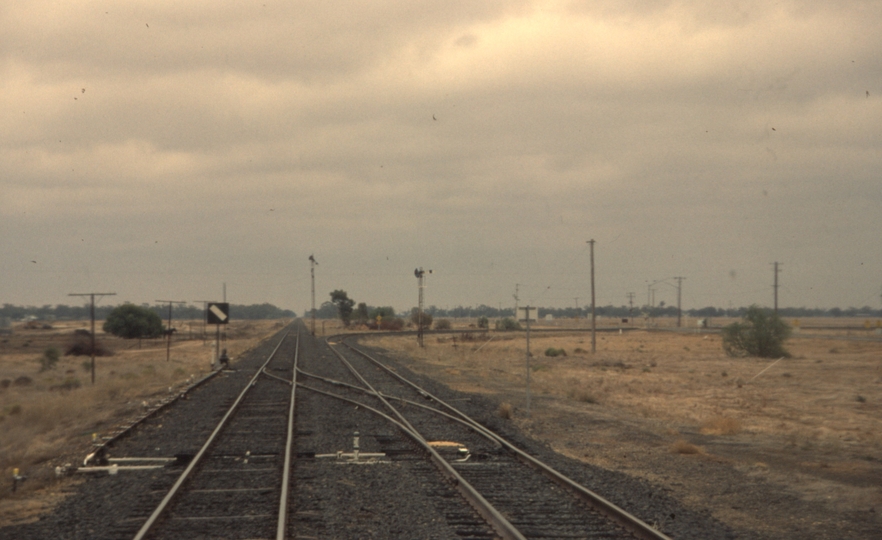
(593, 316)
(527, 320)
(631, 307)
(578, 314)
(517, 286)
(312, 264)
(92, 313)
(168, 330)
(679, 289)
(420, 275)
(775, 286)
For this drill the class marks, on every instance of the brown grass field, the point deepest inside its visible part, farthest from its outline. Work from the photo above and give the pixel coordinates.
(661, 405)
(51, 421)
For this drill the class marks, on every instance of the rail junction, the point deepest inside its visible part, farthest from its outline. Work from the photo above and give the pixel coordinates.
(312, 438)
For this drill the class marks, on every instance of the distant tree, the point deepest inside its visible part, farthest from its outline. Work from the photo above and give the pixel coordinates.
(326, 311)
(361, 313)
(760, 333)
(344, 305)
(130, 321)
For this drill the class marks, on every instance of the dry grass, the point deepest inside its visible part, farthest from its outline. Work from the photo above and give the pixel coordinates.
(52, 420)
(505, 410)
(721, 425)
(682, 446)
(683, 382)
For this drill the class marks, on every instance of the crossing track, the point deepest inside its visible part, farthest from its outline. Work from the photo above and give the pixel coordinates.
(232, 487)
(515, 494)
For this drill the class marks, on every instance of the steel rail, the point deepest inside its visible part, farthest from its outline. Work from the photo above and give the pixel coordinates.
(151, 521)
(484, 433)
(494, 518)
(634, 524)
(282, 528)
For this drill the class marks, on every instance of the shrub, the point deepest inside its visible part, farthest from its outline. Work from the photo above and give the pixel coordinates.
(551, 351)
(49, 359)
(760, 333)
(685, 447)
(505, 411)
(507, 324)
(424, 320)
(83, 347)
(483, 322)
(392, 323)
(67, 385)
(442, 324)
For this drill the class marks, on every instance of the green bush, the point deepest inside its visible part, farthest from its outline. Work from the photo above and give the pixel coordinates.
(759, 333)
(483, 322)
(442, 324)
(507, 324)
(551, 351)
(49, 359)
(133, 322)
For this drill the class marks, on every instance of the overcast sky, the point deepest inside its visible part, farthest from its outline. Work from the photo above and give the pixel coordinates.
(160, 149)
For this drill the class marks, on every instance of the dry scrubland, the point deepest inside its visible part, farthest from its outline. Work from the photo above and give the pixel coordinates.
(51, 420)
(647, 401)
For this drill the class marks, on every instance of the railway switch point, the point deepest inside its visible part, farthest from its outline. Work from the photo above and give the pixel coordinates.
(356, 456)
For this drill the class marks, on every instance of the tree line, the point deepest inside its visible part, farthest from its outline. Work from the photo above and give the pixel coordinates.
(64, 312)
(329, 311)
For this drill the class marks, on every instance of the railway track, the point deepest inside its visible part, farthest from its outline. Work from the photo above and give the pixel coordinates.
(236, 485)
(513, 493)
(348, 450)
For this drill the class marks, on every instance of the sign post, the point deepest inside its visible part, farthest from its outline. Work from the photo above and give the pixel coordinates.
(217, 313)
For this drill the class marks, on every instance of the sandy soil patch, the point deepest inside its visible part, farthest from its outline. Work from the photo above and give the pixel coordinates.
(49, 418)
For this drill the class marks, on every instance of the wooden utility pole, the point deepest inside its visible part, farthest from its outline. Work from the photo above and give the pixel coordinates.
(516, 299)
(775, 286)
(420, 275)
(312, 264)
(593, 315)
(168, 329)
(679, 290)
(92, 313)
(527, 321)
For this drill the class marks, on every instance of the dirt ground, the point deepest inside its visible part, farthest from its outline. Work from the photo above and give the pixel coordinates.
(672, 408)
(48, 418)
